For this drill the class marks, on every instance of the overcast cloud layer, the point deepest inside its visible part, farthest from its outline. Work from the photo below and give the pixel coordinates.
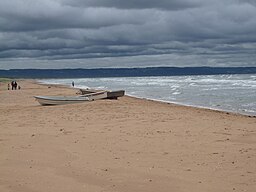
(134, 33)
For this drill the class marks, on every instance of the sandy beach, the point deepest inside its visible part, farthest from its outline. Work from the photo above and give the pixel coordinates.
(126, 145)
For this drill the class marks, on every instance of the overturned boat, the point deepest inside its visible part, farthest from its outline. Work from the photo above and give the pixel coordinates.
(115, 94)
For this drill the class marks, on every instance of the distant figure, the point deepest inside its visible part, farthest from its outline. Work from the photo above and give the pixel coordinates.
(12, 84)
(8, 86)
(19, 87)
(15, 85)
(73, 83)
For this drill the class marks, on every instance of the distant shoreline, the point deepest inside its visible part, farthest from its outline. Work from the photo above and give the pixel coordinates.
(124, 72)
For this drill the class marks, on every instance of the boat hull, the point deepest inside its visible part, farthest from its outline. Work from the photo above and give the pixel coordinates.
(60, 100)
(96, 96)
(107, 94)
(115, 94)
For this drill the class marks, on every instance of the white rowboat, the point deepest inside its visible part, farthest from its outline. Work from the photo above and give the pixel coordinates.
(110, 94)
(60, 100)
(96, 96)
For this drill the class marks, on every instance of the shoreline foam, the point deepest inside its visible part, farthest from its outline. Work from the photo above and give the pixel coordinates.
(197, 106)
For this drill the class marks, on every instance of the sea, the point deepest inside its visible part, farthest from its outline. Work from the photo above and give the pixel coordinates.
(230, 93)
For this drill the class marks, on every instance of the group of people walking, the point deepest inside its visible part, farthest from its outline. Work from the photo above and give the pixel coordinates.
(14, 85)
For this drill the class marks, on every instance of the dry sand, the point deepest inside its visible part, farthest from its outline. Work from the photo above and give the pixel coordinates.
(126, 145)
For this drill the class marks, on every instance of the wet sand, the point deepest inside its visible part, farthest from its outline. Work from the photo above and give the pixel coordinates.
(124, 145)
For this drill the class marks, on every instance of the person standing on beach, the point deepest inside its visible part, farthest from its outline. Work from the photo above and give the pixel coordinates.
(15, 85)
(12, 84)
(73, 83)
(8, 86)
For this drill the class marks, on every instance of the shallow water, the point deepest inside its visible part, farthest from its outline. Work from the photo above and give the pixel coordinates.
(234, 93)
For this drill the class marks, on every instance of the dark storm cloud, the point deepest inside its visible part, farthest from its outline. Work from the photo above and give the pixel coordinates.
(136, 4)
(139, 33)
(62, 17)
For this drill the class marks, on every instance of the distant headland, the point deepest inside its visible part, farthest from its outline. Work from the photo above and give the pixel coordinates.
(123, 72)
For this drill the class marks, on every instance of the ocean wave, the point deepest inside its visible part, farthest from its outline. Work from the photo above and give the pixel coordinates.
(226, 92)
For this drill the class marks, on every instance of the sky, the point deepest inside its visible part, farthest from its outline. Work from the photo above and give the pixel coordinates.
(127, 33)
